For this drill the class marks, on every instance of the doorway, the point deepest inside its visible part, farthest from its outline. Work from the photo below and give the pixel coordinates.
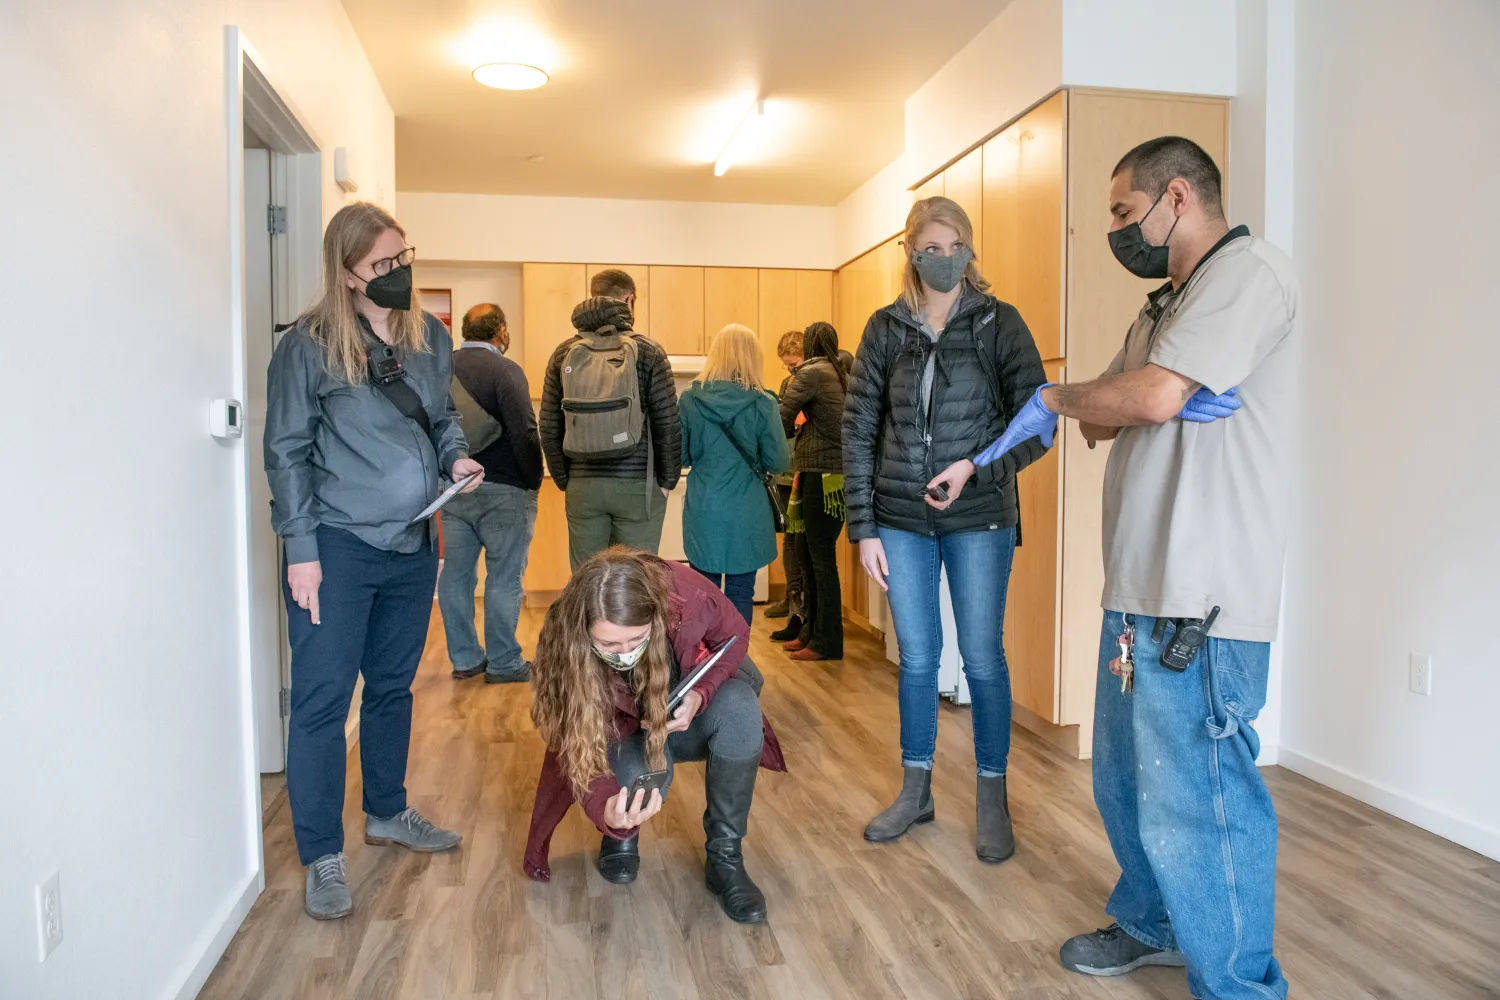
(278, 242)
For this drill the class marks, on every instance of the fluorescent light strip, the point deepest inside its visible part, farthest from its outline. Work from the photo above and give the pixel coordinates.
(734, 147)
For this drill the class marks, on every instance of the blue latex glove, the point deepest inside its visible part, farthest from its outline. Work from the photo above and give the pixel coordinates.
(1204, 407)
(1034, 420)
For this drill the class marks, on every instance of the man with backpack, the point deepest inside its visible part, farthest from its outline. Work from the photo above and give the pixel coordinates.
(610, 427)
(494, 402)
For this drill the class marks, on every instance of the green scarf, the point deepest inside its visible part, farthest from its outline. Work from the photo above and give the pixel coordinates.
(833, 501)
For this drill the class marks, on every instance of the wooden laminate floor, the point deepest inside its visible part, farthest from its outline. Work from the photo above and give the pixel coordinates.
(1370, 907)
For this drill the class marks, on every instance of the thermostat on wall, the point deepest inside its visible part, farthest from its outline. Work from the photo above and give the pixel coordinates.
(226, 418)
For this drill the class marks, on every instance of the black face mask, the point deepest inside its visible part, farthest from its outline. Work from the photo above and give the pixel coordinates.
(391, 290)
(1142, 259)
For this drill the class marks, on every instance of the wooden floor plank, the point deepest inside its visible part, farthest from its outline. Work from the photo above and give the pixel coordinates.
(1369, 908)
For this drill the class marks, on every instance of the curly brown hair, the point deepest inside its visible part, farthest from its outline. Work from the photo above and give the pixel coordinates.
(573, 706)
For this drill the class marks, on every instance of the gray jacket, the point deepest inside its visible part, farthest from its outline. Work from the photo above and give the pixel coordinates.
(344, 456)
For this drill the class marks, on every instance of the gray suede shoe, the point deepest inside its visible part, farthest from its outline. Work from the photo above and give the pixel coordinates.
(328, 889)
(912, 806)
(1113, 952)
(410, 829)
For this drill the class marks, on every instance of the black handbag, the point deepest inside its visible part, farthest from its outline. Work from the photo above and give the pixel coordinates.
(778, 512)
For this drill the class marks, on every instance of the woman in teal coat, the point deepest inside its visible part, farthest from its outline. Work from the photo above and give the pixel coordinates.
(727, 523)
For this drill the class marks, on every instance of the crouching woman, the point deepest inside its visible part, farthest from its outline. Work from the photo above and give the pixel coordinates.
(627, 627)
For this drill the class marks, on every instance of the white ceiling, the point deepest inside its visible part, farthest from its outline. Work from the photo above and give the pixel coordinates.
(645, 93)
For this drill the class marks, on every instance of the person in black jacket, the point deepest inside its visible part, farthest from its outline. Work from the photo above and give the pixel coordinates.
(499, 518)
(817, 389)
(936, 377)
(615, 501)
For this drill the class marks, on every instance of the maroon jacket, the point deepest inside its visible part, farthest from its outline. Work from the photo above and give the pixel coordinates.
(701, 618)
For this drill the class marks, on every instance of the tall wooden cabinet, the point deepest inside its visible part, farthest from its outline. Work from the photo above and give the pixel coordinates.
(1041, 214)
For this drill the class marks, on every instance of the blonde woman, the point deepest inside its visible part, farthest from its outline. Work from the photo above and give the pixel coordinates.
(359, 433)
(732, 439)
(939, 374)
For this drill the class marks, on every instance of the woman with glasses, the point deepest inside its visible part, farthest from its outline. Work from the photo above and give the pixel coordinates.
(360, 432)
(937, 376)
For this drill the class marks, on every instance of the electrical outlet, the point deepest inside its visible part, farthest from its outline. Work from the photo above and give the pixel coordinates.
(1420, 680)
(48, 917)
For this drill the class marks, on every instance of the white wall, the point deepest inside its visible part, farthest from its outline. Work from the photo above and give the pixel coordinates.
(476, 283)
(1396, 547)
(873, 212)
(1172, 46)
(497, 227)
(123, 724)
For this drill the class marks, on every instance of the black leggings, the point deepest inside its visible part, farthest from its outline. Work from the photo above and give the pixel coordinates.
(820, 572)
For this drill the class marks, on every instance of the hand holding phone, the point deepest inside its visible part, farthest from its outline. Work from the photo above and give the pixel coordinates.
(634, 805)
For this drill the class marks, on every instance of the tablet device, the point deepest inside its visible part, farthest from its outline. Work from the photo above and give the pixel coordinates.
(445, 496)
(688, 683)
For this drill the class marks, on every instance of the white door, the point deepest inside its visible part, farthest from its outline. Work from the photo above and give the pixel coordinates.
(267, 640)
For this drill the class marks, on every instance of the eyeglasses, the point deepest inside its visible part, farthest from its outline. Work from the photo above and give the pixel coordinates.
(386, 265)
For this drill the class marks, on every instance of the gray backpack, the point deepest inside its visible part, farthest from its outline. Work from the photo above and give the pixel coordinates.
(601, 397)
(480, 429)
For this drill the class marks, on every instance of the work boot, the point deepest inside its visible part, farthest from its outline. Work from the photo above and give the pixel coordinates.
(994, 841)
(912, 807)
(778, 610)
(791, 631)
(328, 889)
(620, 860)
(1113, 952)
(410, 829)
(730, 788)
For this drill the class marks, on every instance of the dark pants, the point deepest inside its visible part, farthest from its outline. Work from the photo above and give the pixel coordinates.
(820, 571)
(738, 587)
(374, 607)
(730, 727)
(791, 561)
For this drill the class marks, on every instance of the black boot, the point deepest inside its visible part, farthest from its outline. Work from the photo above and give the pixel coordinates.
(620, 860)
(994, 840)
(730, 787)
(791, 631)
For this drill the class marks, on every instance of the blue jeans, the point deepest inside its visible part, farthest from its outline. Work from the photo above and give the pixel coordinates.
(738, 587)
(1190, 821)
(499, 519)
(374, 607)
(978, 565)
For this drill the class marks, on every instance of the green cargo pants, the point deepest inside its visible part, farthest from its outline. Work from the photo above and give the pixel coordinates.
(605, 512)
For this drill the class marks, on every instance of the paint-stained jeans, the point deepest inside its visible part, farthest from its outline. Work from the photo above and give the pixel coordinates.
(1187, 814)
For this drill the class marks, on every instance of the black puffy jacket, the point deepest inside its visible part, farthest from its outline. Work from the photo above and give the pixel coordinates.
(987, 368)
(815, 389)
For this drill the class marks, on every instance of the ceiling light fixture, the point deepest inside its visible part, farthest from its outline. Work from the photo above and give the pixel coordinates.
(744, 134)
(511, 75)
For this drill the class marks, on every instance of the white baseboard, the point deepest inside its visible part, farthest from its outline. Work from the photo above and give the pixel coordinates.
(1270, 753)
(1397, 803)
(215, 939)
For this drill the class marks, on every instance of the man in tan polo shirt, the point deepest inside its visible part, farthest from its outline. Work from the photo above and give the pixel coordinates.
(1198, 402)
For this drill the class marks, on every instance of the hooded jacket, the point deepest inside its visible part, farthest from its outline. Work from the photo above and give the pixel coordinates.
(815, 389)
(986, 368)
(727, 525)
(658, 401)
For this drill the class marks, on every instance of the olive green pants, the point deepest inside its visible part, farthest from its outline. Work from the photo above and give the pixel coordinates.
(605, 512)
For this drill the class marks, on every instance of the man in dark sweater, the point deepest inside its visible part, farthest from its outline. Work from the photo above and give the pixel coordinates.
(500, 516)
(615, 501)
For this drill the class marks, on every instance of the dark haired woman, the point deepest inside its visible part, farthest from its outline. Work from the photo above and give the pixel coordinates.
(817, 389)
(349, 467)
(936, 374)
(626, 628)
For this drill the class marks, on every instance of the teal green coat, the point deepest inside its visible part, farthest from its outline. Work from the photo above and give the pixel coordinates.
(727, 525)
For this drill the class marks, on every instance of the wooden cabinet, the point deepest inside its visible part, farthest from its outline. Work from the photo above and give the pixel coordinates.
(730, 295)
(548, 294)
(1024, 171)
(677, 309)
(642, 276)
(778, 316)
(963, 182)
(547, 566)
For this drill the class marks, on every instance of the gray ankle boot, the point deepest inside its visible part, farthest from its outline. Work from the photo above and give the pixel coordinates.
(994, 841)
(912, 806)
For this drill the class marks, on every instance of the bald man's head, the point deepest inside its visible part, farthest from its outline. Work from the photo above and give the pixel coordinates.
(486, 323)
